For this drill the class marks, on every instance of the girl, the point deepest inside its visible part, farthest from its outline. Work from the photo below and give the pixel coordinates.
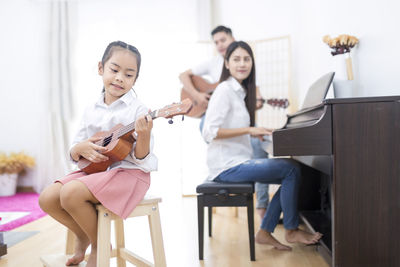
(71, 200)
(228, 125)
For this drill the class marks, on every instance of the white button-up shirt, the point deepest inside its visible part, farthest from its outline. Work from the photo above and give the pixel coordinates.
(102, 117)
(227, 110)
(211, 68)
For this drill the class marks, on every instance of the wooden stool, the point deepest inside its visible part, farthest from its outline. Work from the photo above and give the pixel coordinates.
(149, 207)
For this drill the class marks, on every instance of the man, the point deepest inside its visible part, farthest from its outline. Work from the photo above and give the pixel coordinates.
(222, 38)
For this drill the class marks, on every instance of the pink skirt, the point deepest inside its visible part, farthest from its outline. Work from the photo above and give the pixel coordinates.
(119, 190)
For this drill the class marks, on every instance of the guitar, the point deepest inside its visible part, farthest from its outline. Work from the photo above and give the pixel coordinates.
(119, 139)
(205, 87)
(202, 86)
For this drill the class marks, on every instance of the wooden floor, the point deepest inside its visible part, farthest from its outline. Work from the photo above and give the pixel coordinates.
(229, 246)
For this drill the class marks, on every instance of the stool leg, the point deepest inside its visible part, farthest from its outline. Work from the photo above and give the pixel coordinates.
(103, 238)
(250, 220)
(200, 224)
(156, 238)
(70, 246)
(210, 221)
(119, 240)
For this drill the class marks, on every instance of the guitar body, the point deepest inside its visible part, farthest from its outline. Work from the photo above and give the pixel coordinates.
(202, 86)
(117, 150)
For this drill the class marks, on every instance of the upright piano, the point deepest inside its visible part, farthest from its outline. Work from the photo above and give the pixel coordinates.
(349, 152)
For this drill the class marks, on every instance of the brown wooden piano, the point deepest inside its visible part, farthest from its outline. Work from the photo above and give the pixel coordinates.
(349, 150)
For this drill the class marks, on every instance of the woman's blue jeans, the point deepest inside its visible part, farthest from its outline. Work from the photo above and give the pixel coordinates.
(262, 190)
(272, 171)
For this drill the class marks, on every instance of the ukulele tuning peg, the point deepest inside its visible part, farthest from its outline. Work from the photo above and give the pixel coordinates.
(170, 121)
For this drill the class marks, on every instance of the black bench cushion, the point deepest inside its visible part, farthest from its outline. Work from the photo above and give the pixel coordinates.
(211, 187)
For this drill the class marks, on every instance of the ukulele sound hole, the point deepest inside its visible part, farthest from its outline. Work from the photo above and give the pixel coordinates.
(107, 140)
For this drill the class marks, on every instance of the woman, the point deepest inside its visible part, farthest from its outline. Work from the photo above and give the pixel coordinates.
(228, 125)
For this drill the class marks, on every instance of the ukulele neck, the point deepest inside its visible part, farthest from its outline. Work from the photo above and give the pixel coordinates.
(128, 129)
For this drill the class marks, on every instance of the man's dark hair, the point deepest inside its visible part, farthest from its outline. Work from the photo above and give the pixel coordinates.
(221, 29)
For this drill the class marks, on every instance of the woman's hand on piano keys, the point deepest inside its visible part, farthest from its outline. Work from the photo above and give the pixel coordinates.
(259, 132)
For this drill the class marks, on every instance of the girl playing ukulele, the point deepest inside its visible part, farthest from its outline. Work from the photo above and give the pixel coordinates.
(123, 185)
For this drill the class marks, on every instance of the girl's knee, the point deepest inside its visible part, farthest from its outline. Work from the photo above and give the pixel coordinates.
(49, 199)
(71, 195)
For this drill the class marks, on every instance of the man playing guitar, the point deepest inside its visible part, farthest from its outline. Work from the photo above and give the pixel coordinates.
(222, 38)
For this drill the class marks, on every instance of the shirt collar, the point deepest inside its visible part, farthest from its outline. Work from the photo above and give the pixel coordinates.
(126, 99)
(236, 86)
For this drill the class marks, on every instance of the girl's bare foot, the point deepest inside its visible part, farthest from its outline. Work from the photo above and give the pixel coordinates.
(92, 258)
(80, 249)
(264, 237)
(300, 236)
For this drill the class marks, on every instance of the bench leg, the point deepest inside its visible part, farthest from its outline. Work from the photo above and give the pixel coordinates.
(210, 211)
(250, 220)
(200, 224)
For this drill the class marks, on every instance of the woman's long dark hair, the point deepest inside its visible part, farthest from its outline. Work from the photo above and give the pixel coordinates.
(249, 83)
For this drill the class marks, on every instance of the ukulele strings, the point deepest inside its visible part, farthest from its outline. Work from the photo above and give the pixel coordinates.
(130, 127)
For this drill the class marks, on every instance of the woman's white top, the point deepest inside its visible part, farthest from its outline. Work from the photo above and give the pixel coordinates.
(226, 109)
(102, 117)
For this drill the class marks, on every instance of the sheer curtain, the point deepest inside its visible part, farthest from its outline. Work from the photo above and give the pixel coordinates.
(53, 160)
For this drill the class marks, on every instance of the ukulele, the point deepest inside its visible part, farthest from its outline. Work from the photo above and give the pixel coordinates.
(203, 86)
(119, 140)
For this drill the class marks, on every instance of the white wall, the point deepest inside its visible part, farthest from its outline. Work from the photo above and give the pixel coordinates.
(23, 77)
(163, 31)
(375, 23)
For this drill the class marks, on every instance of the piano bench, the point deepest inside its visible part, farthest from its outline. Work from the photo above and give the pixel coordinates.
(216, 194)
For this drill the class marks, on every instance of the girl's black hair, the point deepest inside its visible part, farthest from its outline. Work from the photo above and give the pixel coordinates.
(121, 45)
(249, 83)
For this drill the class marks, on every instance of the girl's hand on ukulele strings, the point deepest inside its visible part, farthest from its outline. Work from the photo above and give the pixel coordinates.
(143, 126)
(91, 151)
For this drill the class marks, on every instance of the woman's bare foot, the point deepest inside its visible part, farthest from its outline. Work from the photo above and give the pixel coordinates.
(300, 236)
(261, 212)
(92, 258)
(264, 237)
(80, 249)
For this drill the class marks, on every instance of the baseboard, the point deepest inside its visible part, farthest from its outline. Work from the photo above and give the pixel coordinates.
(25, 189)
